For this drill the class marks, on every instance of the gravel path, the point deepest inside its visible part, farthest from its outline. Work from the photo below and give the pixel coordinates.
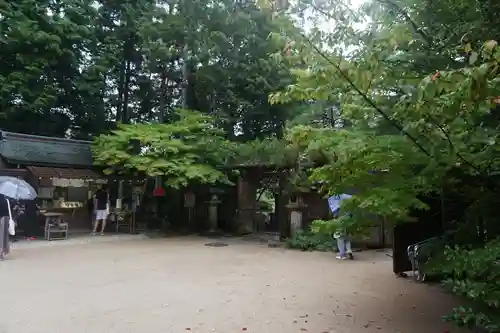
(179, 285)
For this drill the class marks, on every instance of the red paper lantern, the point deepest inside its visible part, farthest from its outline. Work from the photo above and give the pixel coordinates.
(159, 192)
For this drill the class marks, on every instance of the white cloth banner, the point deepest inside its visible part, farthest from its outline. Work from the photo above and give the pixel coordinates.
(64, 182)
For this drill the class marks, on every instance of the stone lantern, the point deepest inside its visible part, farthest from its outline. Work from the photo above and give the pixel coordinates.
(296, 213)
(213, 214)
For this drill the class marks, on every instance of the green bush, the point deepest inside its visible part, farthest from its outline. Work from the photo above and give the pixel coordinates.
(475, 275)
(306, 240)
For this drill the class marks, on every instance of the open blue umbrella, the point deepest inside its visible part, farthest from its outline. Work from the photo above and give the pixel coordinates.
(16, 188)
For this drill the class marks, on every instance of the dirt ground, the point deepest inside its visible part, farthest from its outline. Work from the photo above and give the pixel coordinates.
(179, 285)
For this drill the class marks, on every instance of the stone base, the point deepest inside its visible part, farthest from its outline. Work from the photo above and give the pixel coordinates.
(274, 244)
(243, 230)
(213, 233)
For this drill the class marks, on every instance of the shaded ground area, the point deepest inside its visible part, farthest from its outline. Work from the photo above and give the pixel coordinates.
(180, 285)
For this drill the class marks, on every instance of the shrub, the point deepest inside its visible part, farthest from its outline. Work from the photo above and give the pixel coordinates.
(306, 240)
(475, 275)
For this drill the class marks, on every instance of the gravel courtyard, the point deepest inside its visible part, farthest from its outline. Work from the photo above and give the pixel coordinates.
(179, 285)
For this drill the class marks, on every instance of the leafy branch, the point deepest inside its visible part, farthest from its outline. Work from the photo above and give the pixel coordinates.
(365, 97)
(391, 121)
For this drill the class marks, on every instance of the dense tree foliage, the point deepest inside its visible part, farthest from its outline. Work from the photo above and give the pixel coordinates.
(81, 68)
(183, 151)
(189, 149)
(78, 67)
(417, 83)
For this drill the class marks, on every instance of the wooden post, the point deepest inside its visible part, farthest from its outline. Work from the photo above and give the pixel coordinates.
(281, 202)
(247, 194)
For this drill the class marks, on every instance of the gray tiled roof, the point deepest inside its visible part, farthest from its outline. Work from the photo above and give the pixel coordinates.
(39, 150)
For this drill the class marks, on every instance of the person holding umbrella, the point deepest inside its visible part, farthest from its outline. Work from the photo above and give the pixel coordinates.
(28, 219)
(16, 189)
(4, 227)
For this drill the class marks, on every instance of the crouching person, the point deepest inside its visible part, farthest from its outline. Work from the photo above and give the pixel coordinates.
(341, 236)
(344, 245)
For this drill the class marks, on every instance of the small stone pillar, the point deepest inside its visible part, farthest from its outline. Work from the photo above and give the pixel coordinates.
(296, 209)
(213, 214)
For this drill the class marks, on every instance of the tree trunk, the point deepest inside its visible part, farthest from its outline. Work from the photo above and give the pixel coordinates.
(185, 74)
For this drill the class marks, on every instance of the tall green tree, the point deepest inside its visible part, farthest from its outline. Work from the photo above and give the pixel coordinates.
(380, 80)
(418, 84)
(78, 67)
(43, 44)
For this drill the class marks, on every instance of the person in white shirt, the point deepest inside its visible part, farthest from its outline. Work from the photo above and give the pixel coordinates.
(101, 206)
